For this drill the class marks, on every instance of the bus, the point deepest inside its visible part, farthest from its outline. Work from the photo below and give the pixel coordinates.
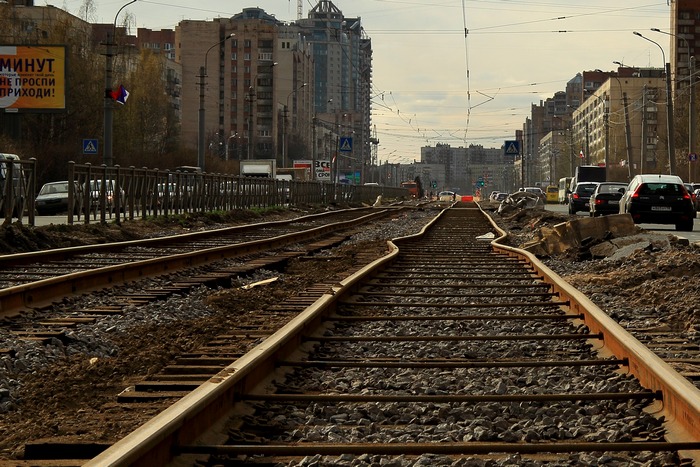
(564, 189)
(412, 188)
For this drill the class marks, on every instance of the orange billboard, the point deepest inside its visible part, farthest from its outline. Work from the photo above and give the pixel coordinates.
(32, 78)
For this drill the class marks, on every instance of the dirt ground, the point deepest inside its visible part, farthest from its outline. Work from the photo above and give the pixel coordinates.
(662, 280)
(658, 281)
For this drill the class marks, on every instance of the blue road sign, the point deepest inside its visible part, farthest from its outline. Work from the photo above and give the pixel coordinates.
(512, 148)
(345, 144)
(90, 146)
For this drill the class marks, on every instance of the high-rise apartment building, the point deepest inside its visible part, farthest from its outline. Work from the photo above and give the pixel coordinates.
(685, 22)
(278, 90)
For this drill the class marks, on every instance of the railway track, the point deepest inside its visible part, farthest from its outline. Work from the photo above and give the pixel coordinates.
(448, 349)
(34, 280)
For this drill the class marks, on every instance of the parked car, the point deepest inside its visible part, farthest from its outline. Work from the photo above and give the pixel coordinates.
(53, 198)
(691, 190)
(659, 199)
(96, 193)
(605, 199)
(580, 197)
(500, 197)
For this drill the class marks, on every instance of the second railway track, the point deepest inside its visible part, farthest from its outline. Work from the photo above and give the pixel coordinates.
(30, 280)
(447, 352)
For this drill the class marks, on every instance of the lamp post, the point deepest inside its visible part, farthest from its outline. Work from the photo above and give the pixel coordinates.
(108, 101)
(691, 99)
(202, 76)
(285, 147)
(669, 108)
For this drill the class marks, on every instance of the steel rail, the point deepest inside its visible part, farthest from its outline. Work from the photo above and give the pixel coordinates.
(681, 398)
(176, 429)
(185, 420)
(59, 254)
(42, 292)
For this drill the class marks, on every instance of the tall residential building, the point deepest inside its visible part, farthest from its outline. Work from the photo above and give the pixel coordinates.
(278, 90)
(342, 56)
(685, 24)
(626, 118)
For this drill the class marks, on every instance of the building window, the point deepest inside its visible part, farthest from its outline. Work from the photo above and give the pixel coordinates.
(234, 56)
(265, 56)
(246, 43)
(246, 56)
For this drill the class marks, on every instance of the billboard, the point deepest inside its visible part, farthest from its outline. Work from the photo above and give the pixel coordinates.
(32, 78)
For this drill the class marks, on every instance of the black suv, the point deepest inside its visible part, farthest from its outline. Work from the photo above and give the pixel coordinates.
(659, 199)
(580, 197)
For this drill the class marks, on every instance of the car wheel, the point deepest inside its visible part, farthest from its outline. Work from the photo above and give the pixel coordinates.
(685, 226)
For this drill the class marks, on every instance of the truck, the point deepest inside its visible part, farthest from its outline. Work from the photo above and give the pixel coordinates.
(588, 173)
(266, 168)
(295, 173)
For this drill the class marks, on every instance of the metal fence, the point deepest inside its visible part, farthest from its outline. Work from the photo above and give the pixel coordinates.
(101, 193)
(112, 194)
(17, 189)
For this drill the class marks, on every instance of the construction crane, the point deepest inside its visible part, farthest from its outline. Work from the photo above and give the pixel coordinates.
(300, 9)
(375, 142)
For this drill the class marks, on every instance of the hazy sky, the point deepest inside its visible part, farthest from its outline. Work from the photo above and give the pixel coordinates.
(432, 83)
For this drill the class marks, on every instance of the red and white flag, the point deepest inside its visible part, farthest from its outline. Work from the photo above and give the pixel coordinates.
(580, 154)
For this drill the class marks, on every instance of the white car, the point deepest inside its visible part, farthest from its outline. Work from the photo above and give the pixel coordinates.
(446, 196)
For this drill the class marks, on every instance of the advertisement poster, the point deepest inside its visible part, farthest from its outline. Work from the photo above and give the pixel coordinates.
(32, 78)
(323, 170)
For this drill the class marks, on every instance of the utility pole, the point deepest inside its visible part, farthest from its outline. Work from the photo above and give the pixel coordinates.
(628, 135)
(692, 124)
(643, 148)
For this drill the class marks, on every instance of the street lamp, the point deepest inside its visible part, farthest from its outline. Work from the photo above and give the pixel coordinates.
(691, 99)
(202, 75)
(285, 147)
(669, 108)
(108, 100)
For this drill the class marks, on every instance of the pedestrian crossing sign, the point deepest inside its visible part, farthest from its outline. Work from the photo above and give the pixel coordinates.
(345, 144)
(512, 148)
(89, 146)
